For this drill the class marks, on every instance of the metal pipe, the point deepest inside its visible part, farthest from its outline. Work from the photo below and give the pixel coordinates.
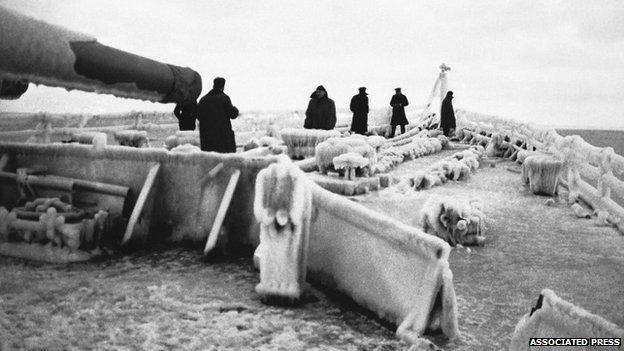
(69, 184)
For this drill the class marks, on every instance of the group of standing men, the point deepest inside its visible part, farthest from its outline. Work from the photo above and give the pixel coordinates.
(321, 112)
(215, 110)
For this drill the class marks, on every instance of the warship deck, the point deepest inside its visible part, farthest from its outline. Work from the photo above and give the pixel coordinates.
(175, 299)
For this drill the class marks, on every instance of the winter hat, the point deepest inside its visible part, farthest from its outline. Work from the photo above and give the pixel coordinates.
(397, 89)
(320, 87)
(218, 83)
(363, 90)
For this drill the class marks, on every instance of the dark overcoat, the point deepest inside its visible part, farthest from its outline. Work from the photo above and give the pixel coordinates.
(320, 114)
(359, 107)
(186, 114)
(447, 115)
(398, 103)
(214, 112)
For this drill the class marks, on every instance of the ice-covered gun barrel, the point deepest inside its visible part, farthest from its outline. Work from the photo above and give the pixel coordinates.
(33, 51)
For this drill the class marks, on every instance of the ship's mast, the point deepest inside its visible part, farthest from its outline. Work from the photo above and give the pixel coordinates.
(443, 81)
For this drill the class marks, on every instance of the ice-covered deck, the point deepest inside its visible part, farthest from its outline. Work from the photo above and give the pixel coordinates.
(168, 299)
(530, 246)
(174, 299)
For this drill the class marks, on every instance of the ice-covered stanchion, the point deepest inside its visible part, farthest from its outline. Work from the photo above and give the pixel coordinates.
(542, 173)
(553, 317)
(349, 162)
(497, 147)
(376, 142)
(282, 206)
(132, 138)
(41, 53)
(355, 157)
(334, 147)
(6, 222)
(98, 139)
(182, 137)
(301, 143)
(264, 146)
(43, 130)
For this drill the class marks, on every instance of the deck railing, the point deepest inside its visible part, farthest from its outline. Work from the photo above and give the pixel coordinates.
(585, 163)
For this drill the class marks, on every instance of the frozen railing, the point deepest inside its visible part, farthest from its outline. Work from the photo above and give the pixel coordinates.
(42, 128)
(585, 163)
(48, 127)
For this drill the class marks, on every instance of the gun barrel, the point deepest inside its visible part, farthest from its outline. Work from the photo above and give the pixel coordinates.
(41, 53)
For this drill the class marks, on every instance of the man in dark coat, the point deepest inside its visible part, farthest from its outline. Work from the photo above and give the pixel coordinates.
(447, 115)
(321, 111)
(187, 114)
(359, 107)
(398, 103)
(214, 112)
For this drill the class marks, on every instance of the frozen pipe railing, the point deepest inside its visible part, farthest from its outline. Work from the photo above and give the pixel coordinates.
(49, 127)
(583, 160)
(41, 53)
(44, 133)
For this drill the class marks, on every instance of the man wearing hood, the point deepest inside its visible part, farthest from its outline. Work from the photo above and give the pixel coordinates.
(447, 115)
(321, 111)
(214, 112)
(359, 107)
(398, 103)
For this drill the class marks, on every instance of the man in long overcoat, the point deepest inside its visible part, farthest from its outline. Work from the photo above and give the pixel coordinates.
(321, 111)
(447, 115)
(398, 103)
(359, 107)
(214, 112)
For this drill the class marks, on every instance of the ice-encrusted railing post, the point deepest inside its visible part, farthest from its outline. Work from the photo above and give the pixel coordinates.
(605, 170)
(43, 130)
(572, 164)
(138, 120)
(282, 205)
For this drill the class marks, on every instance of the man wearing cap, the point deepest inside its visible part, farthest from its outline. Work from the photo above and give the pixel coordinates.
(359, 107)
(321, 111)
(398, 103)
(447, 115)
(214, 112)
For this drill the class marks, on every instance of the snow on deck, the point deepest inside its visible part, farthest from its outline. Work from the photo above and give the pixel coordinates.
(175, 299)
(529, 246)
(168, 299)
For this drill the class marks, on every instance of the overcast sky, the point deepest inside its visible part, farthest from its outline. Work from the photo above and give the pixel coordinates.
(554, 62)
